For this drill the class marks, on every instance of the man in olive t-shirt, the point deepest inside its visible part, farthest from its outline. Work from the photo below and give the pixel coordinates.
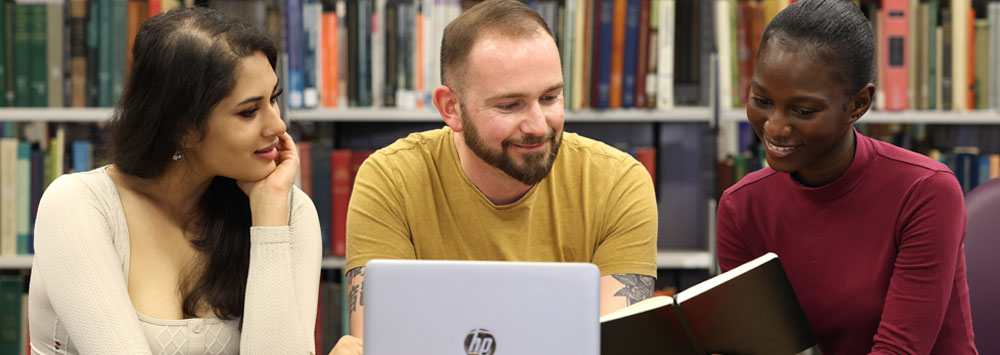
(502, 181)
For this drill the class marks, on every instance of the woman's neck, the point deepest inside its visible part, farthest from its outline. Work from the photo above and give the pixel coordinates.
(177, 190)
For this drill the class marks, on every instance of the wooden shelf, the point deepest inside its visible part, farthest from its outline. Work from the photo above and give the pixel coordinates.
(911, 117)
(680, 259)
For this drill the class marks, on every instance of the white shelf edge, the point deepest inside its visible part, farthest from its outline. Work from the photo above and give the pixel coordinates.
(685, 259)
(679, 259)
(55, 114)
(16, 262)
(930, 117)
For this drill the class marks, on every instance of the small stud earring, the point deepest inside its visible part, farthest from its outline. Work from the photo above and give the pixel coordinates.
(178, 155)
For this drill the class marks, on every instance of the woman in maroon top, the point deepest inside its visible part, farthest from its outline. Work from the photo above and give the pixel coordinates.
(870, 234)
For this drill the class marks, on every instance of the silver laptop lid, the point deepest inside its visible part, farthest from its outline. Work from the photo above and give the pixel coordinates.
(480, 307)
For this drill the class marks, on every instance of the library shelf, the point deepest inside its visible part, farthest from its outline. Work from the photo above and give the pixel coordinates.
(907, 117)
(672, 259)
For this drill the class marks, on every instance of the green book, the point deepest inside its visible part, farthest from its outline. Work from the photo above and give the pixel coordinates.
(23, 196)
(38, 78)
(22, 55)
(982, 60)
(11, 290)
(3, 54)
(7, 53)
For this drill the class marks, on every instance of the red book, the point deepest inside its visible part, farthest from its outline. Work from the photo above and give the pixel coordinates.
(642, 65)
(155, 6)
(647, 157)
(305, 167)
(895, 39)
(341, 182)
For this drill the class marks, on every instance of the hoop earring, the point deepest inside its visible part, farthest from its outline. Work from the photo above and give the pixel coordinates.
(178, 155)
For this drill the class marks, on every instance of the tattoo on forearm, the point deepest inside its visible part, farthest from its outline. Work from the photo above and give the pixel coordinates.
(357, 291)
(637, 287)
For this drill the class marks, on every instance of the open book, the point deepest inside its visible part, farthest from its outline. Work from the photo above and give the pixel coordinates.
(751, 309)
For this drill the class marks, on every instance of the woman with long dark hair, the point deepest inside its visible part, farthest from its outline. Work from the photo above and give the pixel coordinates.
(193, 240)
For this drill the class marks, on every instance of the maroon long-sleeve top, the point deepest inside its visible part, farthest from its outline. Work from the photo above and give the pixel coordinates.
(876, 257)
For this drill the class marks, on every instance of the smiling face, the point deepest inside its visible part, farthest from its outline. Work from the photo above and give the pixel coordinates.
(512, 107)
(800, 112)
(240, 136)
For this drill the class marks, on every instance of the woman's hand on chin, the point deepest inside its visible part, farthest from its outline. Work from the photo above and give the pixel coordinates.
(269, 196)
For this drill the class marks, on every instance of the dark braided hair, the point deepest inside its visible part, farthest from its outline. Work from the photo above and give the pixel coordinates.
(834, 32)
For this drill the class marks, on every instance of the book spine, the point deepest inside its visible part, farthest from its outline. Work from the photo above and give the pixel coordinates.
(353, 24)
(341, 184)
(654, 51)
(53, 43)
(364, 53)
(11, 308)
(5, 65)
(37, 180)
(960, 11)
(602, 52)
(293, 40)
(946, 66)
(23, 196)
(321, 189)
(982, 64)
(686, 324)
(665, 67)
(119, 28)
(629, 65)
(617, 53)
(392, 58)
(8, 196)
(994, 55)
(331, 58)
(82, 156)
(896, 40)
(78, 52)
(642, 62)
(567, 52)
(933, 56)
(22, 53)
(311, 12)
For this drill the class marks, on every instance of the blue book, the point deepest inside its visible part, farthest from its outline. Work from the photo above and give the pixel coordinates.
(966, 168)
(364, 53)
(310, 27)
(322, 194)
(607, 11)
(293, 41)
(984, 169)
(81, 156)
(631, 52)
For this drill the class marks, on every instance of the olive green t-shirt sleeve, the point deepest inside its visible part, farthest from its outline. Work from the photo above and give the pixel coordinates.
(376, 219)
(630, 224)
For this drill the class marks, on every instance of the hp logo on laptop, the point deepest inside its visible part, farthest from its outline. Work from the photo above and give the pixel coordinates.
(480, 342)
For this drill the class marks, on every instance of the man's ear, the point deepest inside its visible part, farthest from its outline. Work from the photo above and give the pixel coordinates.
(862, 102)
(447, 105)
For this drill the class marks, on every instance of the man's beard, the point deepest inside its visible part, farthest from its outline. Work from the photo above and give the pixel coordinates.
(536, 165)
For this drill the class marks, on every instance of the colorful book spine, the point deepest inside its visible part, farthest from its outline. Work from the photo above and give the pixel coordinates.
(54, 55)
(982, 64)
(933, 56)
(630, 57)
(617, 68)
(82, 156)
(293, 41)
(341, 184)
(5, 65)
(329, 48)
(311, 13)
(23, 196)
(321, 193)
(993, 71)
(602, 51)
(896, 19)
(78, 52)
(8, 196)
(665, 67)
(960, 11)
(642, 62)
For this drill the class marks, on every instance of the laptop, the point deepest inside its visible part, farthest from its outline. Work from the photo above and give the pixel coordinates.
(431, 307)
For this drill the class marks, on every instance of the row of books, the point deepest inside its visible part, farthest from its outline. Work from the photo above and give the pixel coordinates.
(971, 152)
(931, 55)
(331, 314)
(71, 53)
(342, 53)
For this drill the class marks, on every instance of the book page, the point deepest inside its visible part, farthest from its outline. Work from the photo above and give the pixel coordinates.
(642, 306)
(720, 279)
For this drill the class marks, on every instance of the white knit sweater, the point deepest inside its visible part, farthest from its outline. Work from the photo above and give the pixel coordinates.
(79, 302)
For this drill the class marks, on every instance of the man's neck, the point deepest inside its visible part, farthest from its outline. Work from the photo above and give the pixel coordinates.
(497, 186)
